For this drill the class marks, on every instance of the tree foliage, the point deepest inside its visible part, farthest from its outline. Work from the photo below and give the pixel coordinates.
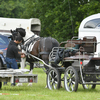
(59, 18)
(11, 8)
(85, 10)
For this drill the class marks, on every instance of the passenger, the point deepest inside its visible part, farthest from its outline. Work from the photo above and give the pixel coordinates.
(13, 54)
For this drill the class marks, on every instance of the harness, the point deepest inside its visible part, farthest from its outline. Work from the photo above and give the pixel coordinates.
(29, 43)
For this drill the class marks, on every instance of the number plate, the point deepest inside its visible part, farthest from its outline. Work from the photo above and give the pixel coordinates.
(23, 80)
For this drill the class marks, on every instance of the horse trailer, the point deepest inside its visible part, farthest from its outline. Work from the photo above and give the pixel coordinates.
(32, 24)
(90, 26)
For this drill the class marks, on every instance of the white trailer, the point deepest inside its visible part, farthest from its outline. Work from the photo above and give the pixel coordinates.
(32, 24)
(90, 26)
(17, 76)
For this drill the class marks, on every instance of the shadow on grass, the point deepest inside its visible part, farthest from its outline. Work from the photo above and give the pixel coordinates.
(81, 89)
(88, 90)
(18, 88)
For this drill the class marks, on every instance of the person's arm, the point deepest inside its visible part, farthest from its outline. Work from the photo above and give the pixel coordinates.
(23, 56)
(16, 52)
(1, 52)
(21, 53)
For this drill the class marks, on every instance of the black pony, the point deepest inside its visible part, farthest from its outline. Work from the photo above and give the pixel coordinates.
(37, 46)
(18, 32)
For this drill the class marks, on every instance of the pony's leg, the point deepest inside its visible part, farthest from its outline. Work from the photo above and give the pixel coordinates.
(23, 60)
(46, 68)
(22, 63)
(31, 70)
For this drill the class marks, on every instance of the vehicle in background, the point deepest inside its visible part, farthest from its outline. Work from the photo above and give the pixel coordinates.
(30, 25)
(90, 26)
(4, 41)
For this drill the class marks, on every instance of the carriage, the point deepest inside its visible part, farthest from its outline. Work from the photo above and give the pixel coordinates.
(71, 65)
(75, 66)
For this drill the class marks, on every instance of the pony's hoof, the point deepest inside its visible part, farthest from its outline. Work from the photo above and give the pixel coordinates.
(30, 84)
(19, 84)
(61, 85)
(46, 86)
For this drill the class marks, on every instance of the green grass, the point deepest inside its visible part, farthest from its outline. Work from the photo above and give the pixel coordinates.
(38, 91)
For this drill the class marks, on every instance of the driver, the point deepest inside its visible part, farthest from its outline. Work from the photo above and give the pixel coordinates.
(13, 54)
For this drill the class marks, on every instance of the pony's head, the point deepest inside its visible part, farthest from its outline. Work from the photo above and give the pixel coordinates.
(18, 32)
(26, 34)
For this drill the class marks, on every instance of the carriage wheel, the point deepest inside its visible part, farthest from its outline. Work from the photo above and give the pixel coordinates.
(0, 85)
(71, 79)
(89, 86)
(53, 79)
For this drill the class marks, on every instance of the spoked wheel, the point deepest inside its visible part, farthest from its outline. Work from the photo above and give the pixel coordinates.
(53, 79)
(71, 79)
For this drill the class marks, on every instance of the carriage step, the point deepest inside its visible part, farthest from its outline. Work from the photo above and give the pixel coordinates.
(93, 73)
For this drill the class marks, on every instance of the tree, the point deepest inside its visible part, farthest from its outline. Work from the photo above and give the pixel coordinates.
(59, 18)
(54, 15)
(86, 10)
(12, 8)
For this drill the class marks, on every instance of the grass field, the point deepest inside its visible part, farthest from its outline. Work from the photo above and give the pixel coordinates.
(38, 91)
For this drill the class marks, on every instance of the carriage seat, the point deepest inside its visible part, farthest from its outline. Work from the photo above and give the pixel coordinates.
(72, 43)
(69, 45)
(74, 52)
(89, 44)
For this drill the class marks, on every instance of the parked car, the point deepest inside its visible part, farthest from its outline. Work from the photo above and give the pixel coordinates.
(4, 41)
(5, 38)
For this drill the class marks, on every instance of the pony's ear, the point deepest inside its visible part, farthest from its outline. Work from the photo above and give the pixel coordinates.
(11, 31)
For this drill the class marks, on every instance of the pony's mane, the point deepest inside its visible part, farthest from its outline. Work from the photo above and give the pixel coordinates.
(21, 31)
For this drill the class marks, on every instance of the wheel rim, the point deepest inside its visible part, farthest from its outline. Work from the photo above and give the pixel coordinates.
(52, 80)
(69, 80)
